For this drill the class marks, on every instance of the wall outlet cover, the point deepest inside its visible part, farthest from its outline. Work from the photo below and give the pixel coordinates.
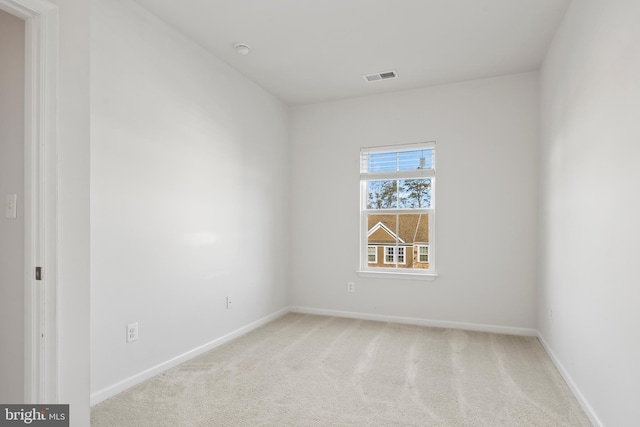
(132, 332)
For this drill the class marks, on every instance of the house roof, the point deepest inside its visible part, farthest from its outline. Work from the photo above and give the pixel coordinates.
(409, 229)
(383, 234)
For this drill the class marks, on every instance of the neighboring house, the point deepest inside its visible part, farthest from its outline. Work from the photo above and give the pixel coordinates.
(400, 241)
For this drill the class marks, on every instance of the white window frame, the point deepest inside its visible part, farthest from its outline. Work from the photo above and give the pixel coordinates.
(365, 177)
(418, 247)
(395, 255)
(375, 254)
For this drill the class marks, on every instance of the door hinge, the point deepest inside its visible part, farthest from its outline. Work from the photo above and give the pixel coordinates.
(38, 273)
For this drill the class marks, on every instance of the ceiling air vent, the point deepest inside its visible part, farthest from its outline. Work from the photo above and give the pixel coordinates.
(386, 75)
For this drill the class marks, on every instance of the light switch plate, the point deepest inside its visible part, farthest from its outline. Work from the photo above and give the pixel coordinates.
(11, 210)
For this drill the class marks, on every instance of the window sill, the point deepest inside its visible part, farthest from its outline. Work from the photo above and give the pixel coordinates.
(394, 275)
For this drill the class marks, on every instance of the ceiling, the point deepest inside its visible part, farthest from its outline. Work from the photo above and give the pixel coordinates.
(307, 51)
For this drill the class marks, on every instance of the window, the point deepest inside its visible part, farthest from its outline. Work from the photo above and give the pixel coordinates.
(400, 256)
(423, 253)
(397, 187)
(394, 255)
(390, 255)
(372, 254)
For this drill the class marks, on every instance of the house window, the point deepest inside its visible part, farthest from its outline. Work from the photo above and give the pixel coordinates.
(423, 253)
(389, 254)
(398, 208)
(394, 255)
(372, 254)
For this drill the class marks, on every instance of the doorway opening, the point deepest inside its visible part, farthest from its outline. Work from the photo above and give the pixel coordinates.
(40, 214)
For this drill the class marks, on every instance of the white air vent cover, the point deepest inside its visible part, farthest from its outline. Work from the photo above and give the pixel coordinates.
(385, 75)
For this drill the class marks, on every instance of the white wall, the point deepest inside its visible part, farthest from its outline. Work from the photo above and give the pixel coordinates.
(486, 224)
(589, 293)
(11, 230)
(190, 196)
(73, 208)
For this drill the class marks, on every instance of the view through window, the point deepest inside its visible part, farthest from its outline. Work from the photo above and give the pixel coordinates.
(397, 208)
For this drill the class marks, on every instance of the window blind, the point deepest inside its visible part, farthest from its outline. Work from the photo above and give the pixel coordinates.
(406, 161)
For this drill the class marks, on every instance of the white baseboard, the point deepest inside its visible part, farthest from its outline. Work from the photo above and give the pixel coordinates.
(469, 327)
(421, 322)
(572, 385)
(121, 386)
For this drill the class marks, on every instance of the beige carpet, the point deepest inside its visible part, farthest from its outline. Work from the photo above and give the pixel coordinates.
(304, 370)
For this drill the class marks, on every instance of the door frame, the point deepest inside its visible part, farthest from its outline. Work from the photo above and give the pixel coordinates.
(40, 169)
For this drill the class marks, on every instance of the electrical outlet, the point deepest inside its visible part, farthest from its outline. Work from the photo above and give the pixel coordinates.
(132, 332)
(351, 287)
(228, 303)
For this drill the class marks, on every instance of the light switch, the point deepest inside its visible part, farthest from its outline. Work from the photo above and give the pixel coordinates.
(11, 211)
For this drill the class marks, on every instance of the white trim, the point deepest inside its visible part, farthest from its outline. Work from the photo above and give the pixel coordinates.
(427, 145)
(588, 410)
(41, 74)
(495, 329)
(121, 386)
(419, 274)
(477, 327)
(399, 211)
(398, 175)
